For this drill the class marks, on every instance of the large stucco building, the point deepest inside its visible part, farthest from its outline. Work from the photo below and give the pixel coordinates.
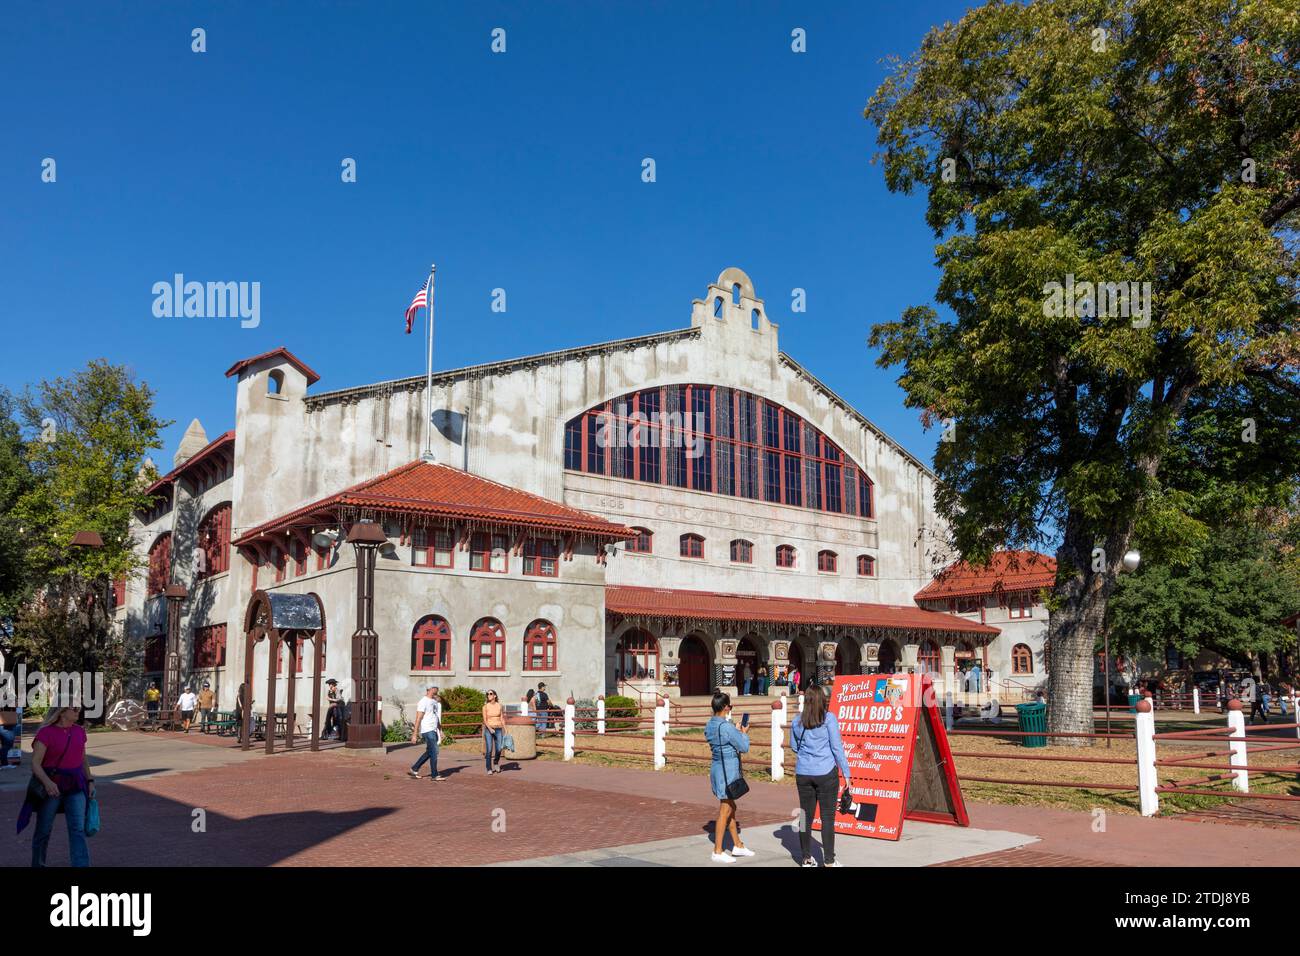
(662, 513)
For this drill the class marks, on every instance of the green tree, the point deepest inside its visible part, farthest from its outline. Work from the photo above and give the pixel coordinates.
(1093, 141)
(15, 480)
(89, 436)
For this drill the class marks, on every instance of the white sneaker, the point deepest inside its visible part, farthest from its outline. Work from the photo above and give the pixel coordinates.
(836, 863)
(413, 774)
(809, 862)
(723, 857)
(741, 851)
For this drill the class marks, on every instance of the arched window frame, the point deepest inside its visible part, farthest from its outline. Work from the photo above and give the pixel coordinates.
(540, 647)
(213, 540)
(828, 562)
(431, 644)
(866, 566)
(643, 543)
(787, 556)
(742, 446)
(1022, 659)
(691, 546)
(487, 645)
(742, 551)
(160, 565)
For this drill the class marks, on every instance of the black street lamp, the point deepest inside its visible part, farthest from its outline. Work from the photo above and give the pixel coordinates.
(363, 725)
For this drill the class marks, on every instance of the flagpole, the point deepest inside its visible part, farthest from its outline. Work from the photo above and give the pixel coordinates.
(427, 454)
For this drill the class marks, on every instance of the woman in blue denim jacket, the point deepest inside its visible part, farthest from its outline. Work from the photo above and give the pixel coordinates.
(727, 742)
(815, 737)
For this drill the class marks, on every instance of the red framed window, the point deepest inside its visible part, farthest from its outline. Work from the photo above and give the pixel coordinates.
(1020, 606)
(431, 644)
(299, 552)
(691, 546)
(969, 605)
(214, 541)
(928, 658)
(827, 561)
(866, 566)
(489, 552)
(160, 565)
(277, 561)
(541, 557)
(720, 440)
(785, 556)
(742, 551)
(643, 543)
(487, 646)
(539, 647)
(1022, 659)
(303, 649)
(433, 548)
(209, 645)
(636, 656)
(119, 592)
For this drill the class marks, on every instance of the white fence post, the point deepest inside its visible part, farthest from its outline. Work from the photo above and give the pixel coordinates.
(778, 739)
(661, 734)
(1196, 700)
(600, 714)
(947, 709)
(1145, 731)
(568, 729)
(1237, 728)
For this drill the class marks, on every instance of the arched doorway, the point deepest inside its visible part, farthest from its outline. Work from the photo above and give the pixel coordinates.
(888, 657)
(797, 664)
(749, 658)
(694, 672)
(848, 658)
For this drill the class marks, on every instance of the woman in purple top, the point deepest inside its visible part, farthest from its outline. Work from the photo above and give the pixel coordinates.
(64, 784)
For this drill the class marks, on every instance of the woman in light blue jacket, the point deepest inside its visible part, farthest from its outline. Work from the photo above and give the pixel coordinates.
(727, 742)
(815, 737)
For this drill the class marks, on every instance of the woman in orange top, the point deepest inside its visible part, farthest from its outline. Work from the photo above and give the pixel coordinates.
(494, 728)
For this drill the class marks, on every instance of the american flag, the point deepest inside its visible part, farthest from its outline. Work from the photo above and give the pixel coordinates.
(420, 301)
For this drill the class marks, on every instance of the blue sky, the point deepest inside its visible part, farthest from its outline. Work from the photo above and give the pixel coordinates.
(519, 170)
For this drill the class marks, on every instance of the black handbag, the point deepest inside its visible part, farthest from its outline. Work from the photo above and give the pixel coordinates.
(735, 788)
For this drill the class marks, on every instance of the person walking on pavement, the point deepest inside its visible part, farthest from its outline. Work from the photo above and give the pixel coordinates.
(187, 704)
(815, 737)
(207, 701)
(494, 728)
(429, 729)
(726, 743)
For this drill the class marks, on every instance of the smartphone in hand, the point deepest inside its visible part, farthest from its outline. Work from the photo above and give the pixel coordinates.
(744, 720)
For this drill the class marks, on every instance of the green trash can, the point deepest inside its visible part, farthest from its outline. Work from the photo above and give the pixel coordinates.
(1133, 703)
(1033, 717)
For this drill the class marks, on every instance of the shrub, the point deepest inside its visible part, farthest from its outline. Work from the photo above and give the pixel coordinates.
(619, 706)
(400, 730)
(458, 701)
(584, 721)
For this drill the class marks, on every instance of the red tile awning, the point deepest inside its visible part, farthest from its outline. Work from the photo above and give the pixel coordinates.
(1007, 571)
(714, 606)
(427, 489)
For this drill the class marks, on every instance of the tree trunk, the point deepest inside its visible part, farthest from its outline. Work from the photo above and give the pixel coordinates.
(1073, 634)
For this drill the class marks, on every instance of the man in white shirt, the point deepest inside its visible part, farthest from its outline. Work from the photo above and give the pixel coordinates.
(186, 705)
(428, 727)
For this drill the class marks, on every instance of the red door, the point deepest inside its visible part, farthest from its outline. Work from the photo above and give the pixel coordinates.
(693, 671)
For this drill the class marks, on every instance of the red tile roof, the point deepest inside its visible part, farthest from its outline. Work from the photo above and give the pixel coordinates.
(207, 451)
(712, 606)
(1006, 571)
(427, 488)
(299, 364)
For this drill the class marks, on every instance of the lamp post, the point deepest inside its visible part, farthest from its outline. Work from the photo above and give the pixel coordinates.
(175, 594)
(84, 541)
(363, 725)
(1131, 561)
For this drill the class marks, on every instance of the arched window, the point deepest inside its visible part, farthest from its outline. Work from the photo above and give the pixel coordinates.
(643, 543)
(866, 566)
(785, 556)
(753, 319)
(1022, 659)
(487, 646)
(160, 565)
(431, 644)
(734, 443)
(637, 656)
(213, 542)
(928, 658)
(717, 307)
(274, 382)
(828, 561)
(539, 647)
(742, 551)
(692, 546)
(735, 293)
